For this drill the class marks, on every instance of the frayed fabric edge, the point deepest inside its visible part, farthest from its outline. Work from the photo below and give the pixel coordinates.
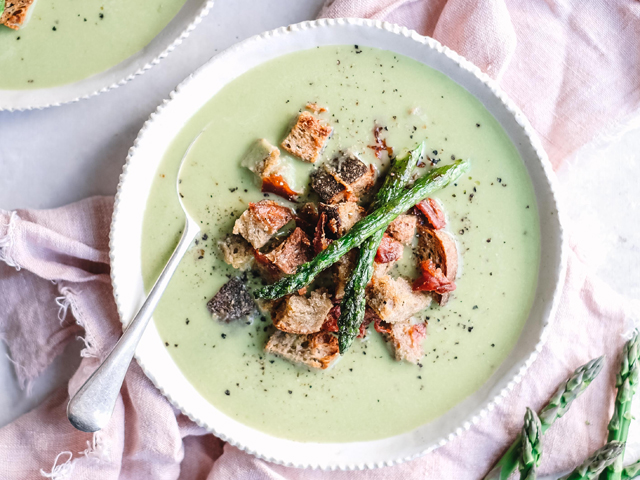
(65, 301)
(62, 471)
(6, 243)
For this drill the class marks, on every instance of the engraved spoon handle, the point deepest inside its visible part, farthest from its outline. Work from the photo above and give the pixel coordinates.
(91, 407)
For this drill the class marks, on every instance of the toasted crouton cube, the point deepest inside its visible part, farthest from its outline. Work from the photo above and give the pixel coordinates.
(237, 252)
(16, 13)
(407, 340)
(291, 253)
(232, 301)
(439, 247)
(342, 272)
(317, 350)
(261, 220)
(307, 138)
(341, 217)
(403, 228)
(393, 300)
(345, 177)
(381, 269)
(300, 314)
(263, 159)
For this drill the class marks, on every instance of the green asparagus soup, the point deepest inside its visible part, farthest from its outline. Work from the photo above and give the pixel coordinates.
(69, 40)
(491, 212)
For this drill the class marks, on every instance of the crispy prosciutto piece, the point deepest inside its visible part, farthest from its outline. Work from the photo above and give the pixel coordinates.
(432, 211)
(381, 143)
(331, 323)
(390, 250)
(381, 326)
(432, 279)
(278, 185)
(320, 240)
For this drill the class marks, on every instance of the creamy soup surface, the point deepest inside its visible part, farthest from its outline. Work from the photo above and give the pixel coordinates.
(491, 212)
(69, 40)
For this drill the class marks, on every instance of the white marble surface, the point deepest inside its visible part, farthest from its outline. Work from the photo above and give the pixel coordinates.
(56, 156)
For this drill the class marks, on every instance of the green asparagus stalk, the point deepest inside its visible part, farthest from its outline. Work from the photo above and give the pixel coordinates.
(560, 402)
(531, 446)
(434, 180)
(626, 382)
(631, 471)
(353, 303)
(597, 462)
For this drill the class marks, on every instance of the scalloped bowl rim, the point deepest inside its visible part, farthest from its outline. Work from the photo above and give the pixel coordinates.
(154, 358)
(171, 36)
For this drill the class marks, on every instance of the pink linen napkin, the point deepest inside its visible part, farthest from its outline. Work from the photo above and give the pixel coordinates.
(573, 69)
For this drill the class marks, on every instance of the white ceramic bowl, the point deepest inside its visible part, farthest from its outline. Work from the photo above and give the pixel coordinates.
(186, 100)
(179, 28)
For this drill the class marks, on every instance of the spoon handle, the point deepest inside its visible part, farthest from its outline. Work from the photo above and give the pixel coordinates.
(91, 407)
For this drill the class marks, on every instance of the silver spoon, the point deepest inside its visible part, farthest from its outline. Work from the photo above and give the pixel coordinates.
(91, 407)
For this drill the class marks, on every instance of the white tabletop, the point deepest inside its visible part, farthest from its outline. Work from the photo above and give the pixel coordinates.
(59, 155)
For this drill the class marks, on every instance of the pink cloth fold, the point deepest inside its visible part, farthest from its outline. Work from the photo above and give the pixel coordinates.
(572, 68)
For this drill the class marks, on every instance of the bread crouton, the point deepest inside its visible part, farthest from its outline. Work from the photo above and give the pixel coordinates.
(261, 220)
(291, 253)
(407, 340)
(342, 270)
(237, 252)
(393, 300)
(341, 217)
(300, 314)
(439, 247)
(16, 13)
(267, 269)
(232, 301)
(317, 350)
(263, 159)
(381, 269)
(344, 178)
(307, 138)
(403, 228)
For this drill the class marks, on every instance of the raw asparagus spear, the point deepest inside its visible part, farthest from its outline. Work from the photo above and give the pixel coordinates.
(353, 303)
(626, 382)
(531, 446)
(597, 462)
(631, 471)
(423, 187)
(556, 408)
